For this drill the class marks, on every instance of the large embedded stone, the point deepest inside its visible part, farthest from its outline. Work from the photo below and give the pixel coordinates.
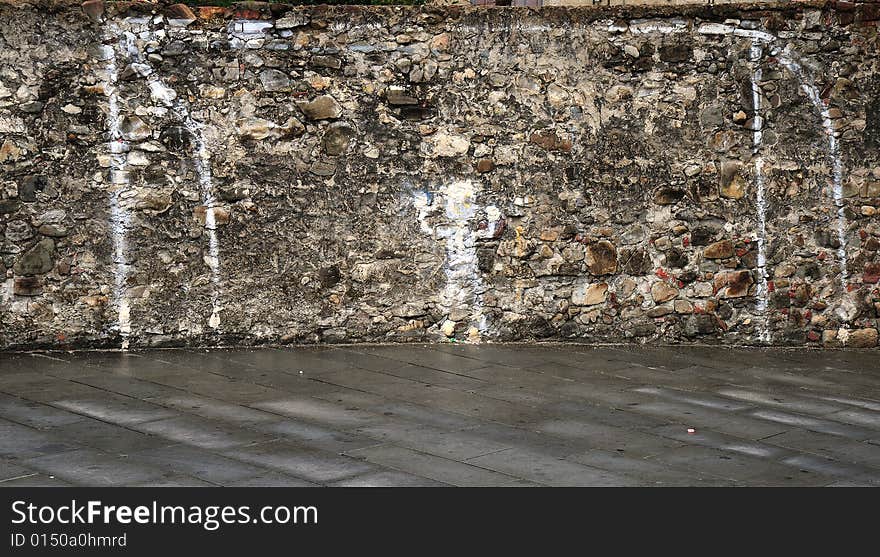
(601, 258)
(36, 261)
(180, 11)
(9, 151)
(94, 9)
(19, 231)
(719, 250)
(398, 96)
(29, 186)
(134, 129)
(733, 185)
(550, 141)
(331, 62)
(700, 324)
(733, 284)
(324, 107)
(663, 292)
(259, 128)
(274, 81)
(589, 294)
(27, 286)
(862, 338)
(337, 138)
(323, 167)
(635, 261)
(448, 145)
(255, 128)
(872, 273)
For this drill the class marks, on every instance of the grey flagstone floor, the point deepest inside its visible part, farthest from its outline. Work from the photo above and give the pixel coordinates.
(459, 415)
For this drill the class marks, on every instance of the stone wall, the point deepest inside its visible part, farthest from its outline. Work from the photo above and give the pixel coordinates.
(271, 175)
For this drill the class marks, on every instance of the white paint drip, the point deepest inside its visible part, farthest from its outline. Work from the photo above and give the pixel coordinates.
(119, 216)
(807, 85)
(757, 141)
(464, 285)
(8, 290)
(493, 215)
(423, 201)
(812, 92)
(203, 169)
(162, 94)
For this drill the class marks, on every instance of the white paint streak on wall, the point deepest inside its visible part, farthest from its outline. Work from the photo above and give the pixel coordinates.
(812, 92)
(755, 35)
(789, 61)
(464, 286)
(423, 201)
(493, 215)
(202, 159)
(715, 29)
(757, 141)
(8, 290)
(647, 26)
(119, 216)
(166, 96)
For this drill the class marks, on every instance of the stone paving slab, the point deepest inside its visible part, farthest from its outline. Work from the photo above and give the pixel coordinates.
(442, 415)
(440, 469)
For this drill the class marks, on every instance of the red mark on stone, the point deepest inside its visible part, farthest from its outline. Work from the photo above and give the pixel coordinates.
(661, 273)
(814, 336)
(771, 286)
(686, 241)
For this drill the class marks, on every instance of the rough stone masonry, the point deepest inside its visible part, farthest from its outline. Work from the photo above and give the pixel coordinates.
(268, 174)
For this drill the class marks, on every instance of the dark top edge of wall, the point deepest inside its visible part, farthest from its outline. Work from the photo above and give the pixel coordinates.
(268, 10)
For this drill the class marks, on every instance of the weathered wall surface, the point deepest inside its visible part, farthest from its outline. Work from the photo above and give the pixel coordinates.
(366, 174)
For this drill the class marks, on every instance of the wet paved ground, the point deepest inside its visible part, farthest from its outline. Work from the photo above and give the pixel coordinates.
(488, 415)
